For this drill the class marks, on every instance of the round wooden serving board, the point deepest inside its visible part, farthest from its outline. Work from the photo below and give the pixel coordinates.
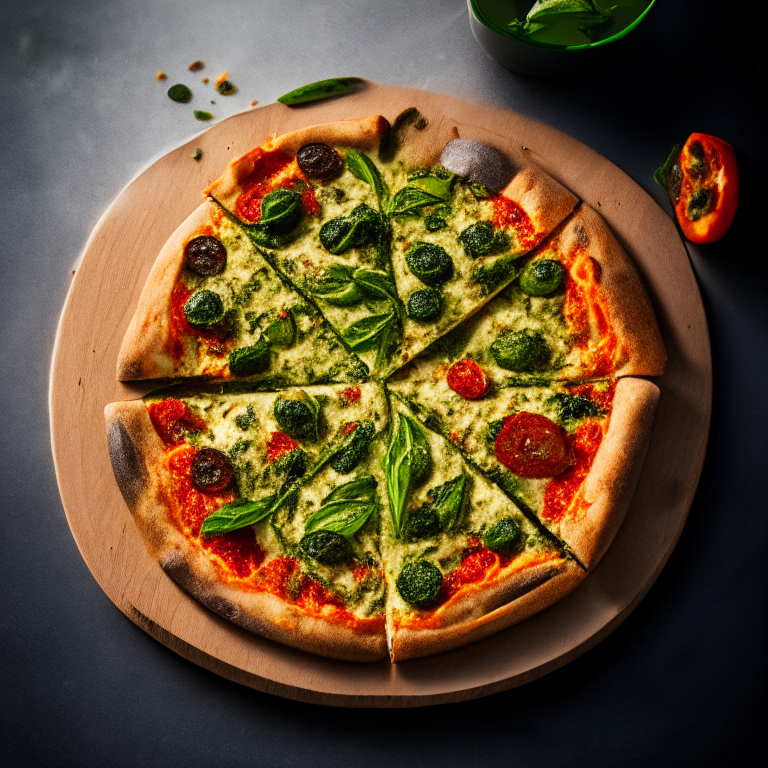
(102, 299)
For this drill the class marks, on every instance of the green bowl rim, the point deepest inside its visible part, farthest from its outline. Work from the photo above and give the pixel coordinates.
(554, 46)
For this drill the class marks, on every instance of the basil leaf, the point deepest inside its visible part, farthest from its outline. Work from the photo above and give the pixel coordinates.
(407, 460)
(346, 509)
(670, 175)
(238, 514)
(343, 517)
(338, 288)
(375, 284)
(435, 186)
(365, 334)
(409, 199)
(363, 487)
(545, 12)
(363, 167)
(448, 501)
(322, 89)
(280, 211)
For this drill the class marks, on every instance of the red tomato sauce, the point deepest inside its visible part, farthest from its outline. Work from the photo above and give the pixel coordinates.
(584, 310)
(507, 214)
(478, 561)
(283, 577)
(238, 554)
(271, 172)
(179, 327)
(351, 395)
(172, 419)
(349, 428)
(602, 396)
(562, 490)
(279, 445)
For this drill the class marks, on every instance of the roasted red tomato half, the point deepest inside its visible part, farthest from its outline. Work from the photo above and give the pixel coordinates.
(702, 181)
(531, 445)
(468, 379)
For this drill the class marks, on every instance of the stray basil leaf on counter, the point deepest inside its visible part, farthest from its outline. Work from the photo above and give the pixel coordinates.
(201, 115)
(670, 175)
(322, 89)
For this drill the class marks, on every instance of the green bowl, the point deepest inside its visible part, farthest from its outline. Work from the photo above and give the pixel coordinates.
(546, 59)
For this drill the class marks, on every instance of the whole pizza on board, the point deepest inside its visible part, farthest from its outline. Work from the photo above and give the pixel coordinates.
(410, 412)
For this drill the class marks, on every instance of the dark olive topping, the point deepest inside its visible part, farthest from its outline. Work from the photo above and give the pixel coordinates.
(522, 351)
(429, 262)
(419, 582)
(325, 546)
(211, 471)
(503, 537)
(206, 255)
(204, 309)
(249, 360)
(424, 305)
(318, 160)
(541, 277)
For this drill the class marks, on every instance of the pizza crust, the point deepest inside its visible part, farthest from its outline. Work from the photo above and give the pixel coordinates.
(137, 452)
(365, 133)
(640, 346)
(145, 352)
(610, 484)
(483, 612)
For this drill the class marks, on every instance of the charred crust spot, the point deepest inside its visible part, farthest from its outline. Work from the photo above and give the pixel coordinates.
(131, 371)
(581, 236)
(127, 464)
(177, 568)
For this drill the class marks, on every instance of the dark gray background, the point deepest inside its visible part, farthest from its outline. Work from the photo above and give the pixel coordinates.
(678, 682)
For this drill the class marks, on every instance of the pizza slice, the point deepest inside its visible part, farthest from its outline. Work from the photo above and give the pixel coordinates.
(461, 560)
(313, 203)
(213, 306)
(576, 310)
(570, 454)
(458, 234)
(264, 507)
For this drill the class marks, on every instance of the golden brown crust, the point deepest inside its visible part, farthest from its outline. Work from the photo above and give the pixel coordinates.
(640, 346)
(546, 201)
(145, 352)
(611, 482)
(137, 453)
(362, 133)
(485, 611)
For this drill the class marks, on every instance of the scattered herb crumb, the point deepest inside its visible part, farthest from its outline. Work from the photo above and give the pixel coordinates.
(180, 93)
(196, 66)
(254, 102)
(212, 102)
(226, 88)
(197, 154)
(200, 115)
(221, 78)
(161, 76)
(206, 80)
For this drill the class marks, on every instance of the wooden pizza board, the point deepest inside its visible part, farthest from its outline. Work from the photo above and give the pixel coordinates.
(102, 299)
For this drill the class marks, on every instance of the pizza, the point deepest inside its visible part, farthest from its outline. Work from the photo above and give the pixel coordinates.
(406, 408)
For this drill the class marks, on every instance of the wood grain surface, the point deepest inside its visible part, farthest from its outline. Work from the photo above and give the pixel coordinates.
(101, 301)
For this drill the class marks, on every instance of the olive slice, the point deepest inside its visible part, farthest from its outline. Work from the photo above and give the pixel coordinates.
(318, 160)
(206, 255)
(211, 471)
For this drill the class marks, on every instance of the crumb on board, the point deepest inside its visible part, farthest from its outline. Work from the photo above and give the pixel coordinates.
(161, 76)
(206, 80)
(221, 78)
(197, 154)
(196, 66)
(254, 102)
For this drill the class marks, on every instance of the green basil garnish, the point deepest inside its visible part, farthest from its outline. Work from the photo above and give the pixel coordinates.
(322, 89)
(591, 18)
(426, 190)
(367, 333)
(364, 168)
(238, 514)
(280, 211)
(406, 461)
(346, 509)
